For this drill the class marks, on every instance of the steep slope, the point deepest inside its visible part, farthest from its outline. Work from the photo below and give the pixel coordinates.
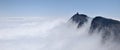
(110, 28)
(79, 18)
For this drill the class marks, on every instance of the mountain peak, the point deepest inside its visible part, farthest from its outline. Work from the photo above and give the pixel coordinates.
(79, 18)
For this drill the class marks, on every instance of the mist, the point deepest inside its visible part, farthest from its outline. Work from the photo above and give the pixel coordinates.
(37, 33)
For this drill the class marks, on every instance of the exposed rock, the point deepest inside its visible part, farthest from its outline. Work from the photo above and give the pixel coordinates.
(109, 27)
(79, 18)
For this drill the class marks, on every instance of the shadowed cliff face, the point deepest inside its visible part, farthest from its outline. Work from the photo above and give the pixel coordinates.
(79, 18)
(109, 27)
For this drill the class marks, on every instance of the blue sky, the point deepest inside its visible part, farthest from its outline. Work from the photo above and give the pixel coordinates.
(58, 8)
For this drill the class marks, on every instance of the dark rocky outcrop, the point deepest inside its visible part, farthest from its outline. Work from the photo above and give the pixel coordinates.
(109, 27)
(79, 18)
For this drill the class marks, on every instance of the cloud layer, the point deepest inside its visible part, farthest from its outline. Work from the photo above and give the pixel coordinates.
(35, 33)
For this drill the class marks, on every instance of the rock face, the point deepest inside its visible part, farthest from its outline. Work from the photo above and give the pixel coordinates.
(109, 27)
(79, 18)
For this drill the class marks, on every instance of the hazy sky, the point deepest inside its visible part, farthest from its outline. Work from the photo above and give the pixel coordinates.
(58, 8)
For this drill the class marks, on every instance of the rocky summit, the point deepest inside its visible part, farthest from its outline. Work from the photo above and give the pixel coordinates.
(110, 28)
(79, 18)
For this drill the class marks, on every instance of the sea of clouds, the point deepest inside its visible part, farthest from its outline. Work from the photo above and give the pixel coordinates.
(37, 33)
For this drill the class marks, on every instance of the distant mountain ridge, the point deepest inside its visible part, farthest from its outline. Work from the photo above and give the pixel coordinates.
(110, 28)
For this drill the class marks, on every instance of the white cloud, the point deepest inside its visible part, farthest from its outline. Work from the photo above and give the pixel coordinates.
(46, 34)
